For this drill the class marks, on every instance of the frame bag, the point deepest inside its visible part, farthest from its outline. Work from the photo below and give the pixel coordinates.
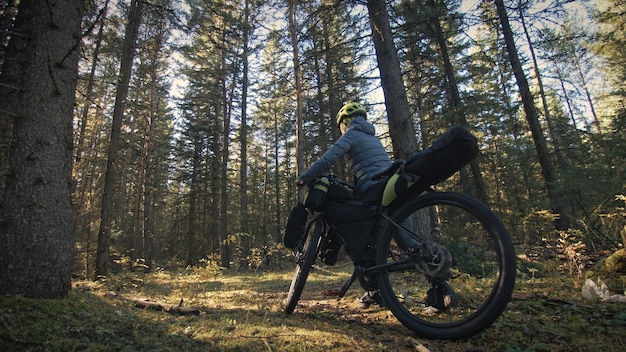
(353, 222)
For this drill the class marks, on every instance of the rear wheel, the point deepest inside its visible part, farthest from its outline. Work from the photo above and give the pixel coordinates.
(468, 250)
(305, 258)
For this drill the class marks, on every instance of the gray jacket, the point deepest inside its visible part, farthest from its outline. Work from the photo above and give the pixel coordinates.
(366, 155)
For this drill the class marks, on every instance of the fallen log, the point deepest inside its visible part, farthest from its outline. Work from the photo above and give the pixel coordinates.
(170, 308)
(160, 306)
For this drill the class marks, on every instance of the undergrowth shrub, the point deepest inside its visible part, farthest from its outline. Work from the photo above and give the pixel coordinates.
(567, 247)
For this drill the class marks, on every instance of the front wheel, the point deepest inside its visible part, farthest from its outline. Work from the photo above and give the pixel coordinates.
(471, 252)
(305, 258)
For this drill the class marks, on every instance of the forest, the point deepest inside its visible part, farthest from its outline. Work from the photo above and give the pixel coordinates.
(188, 122)
(149, 152)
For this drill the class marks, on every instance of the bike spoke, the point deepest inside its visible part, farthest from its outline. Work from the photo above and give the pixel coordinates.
(468, 272)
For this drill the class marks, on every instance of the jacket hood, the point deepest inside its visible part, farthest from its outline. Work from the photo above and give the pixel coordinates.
(360, 124)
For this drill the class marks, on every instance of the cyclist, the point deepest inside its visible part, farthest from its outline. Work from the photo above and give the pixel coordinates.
(366, 157)
(358, 142)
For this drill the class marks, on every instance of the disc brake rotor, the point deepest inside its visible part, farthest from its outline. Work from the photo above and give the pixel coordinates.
(437, 260)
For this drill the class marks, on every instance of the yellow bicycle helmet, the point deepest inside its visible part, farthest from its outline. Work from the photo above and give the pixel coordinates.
(348, 112)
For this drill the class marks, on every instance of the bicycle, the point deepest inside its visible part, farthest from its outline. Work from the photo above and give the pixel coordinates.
(456, 238)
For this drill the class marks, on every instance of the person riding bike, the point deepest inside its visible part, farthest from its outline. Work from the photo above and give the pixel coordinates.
(365, 153)
(366, 157)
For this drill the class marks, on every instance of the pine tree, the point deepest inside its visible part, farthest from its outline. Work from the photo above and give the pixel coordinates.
(401, 128)
(37, 86)
(547, 168)
(106, 218)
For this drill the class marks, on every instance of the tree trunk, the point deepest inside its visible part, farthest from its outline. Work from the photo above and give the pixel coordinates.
(191, 240)
(594, 115)
(128, 52)
(37, 90)
(568, 100)
(146, 220)
(84, 153)
(455, 100)
(334, 101)
(243, 138)
(278, 197)
(401, 129)
(212, 187)
(223, 228)
(542, 94)
(7, 17)
(80, 144)
(293, 31)
(147, 159)
(547, 169)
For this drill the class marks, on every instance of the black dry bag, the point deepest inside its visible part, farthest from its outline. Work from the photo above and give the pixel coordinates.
(447, 155)
(295, 226)
(316, 196)
(354, 223)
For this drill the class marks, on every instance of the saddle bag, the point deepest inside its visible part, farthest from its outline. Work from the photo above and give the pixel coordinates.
(447, 155)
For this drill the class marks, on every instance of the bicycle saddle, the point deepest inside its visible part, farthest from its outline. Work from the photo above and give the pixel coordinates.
(390, 170)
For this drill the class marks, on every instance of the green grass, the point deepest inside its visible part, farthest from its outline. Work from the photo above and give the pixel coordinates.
(243, 311)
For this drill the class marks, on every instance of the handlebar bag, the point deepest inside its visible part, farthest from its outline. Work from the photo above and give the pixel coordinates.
(295, 226)
(316, 196)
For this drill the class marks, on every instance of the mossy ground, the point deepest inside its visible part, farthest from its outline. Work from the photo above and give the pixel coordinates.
(243, 311)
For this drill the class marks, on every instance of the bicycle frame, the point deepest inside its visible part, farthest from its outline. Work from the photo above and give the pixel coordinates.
(413, 269)
(400, 265)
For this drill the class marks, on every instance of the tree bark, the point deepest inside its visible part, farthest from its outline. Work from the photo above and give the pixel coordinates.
(128, 52)
(37, 89)
(8, 12)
